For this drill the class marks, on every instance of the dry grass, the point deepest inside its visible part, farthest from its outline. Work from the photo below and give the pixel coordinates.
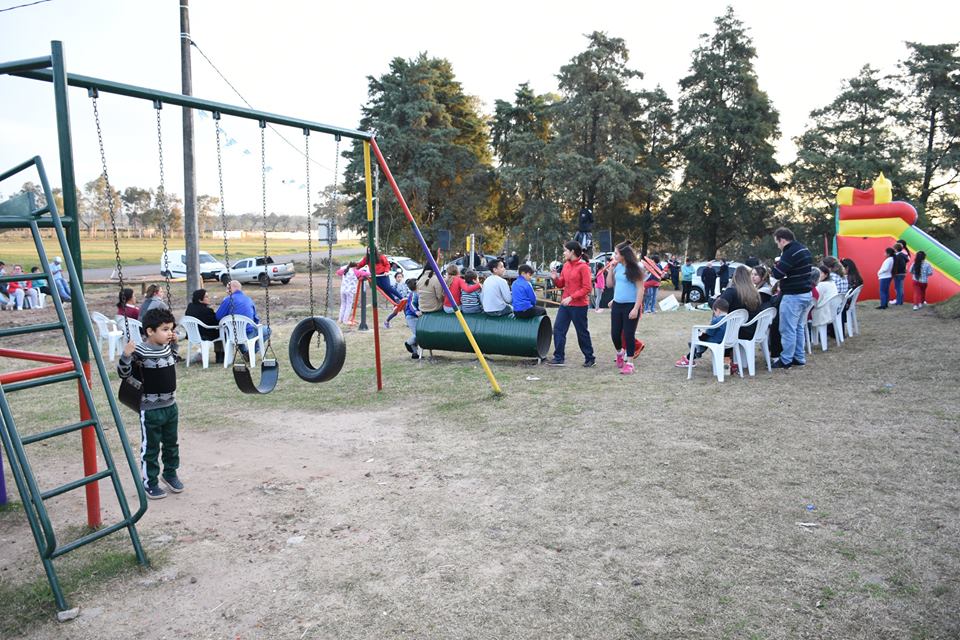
(580, 505)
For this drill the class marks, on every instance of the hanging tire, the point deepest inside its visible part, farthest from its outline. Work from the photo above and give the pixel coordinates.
(299, 351)
(225, 279)
(264, 280)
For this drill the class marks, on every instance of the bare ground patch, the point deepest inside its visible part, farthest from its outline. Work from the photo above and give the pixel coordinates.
(818, 503)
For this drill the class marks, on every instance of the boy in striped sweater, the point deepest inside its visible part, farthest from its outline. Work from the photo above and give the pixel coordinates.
(153, 362)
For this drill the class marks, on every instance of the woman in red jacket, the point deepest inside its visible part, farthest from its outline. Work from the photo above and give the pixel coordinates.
(575, 282)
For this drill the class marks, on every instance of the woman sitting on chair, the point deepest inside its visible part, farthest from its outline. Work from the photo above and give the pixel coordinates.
(826, 289)
(126, 305)
(200, 309)
(153, 299)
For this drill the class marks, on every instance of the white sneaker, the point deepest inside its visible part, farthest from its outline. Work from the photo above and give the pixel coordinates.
(915, 307)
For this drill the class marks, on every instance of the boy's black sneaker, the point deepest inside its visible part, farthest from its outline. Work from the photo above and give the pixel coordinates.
(173, 483)
(409, 348)
(797, 363)
(555, 362)
(778, 364)
(154, 492)
(592, 362)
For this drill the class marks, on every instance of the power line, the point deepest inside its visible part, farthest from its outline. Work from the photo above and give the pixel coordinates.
(239, 95)
(21, 6)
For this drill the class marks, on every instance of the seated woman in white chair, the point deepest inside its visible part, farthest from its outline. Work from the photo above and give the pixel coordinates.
(826, 289)
(200, 309)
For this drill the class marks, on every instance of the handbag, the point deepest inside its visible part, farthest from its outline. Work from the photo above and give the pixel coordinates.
(131, 390)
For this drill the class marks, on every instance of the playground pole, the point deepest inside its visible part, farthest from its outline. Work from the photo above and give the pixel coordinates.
(88, 436)
(433, 263)
(371, 237)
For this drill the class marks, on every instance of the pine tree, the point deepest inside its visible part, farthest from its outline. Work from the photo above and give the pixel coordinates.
(728, 127)
(850, 142)
(528, 206)
(596, 146)
(931, 109)
(436, 142)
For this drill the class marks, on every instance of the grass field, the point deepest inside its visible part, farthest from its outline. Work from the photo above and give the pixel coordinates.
(814, 503)
(137, 251)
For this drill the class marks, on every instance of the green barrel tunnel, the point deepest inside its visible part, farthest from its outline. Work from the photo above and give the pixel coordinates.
(504, 335)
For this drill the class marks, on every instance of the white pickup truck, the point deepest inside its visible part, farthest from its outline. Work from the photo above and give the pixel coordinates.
(261, 270)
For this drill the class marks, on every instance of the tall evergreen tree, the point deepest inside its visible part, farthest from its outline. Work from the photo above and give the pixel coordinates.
(656, 163)
(931, 109)
(596, 125)
(728, 126)
(436, 142)
(850, 142)
(528, 203)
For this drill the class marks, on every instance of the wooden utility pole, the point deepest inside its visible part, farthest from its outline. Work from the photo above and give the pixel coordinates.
(191, 238)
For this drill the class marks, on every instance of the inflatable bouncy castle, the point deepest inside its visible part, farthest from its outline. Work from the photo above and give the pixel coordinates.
(869, 221)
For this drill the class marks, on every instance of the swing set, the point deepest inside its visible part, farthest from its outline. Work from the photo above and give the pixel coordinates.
(23, 212)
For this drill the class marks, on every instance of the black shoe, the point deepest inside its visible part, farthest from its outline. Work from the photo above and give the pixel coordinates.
(592, 362)
(881, 307)
(797, 363)
(414, 356)
(154, 492)
(778, 364)
(173, 483)
(409, 348)
(554, 362)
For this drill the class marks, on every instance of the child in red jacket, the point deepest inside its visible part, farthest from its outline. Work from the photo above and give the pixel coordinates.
(576, 283)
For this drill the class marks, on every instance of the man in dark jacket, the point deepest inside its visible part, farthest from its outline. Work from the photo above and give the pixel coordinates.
(723, 273)
(709, 278)
(585, 229)
(793, 275)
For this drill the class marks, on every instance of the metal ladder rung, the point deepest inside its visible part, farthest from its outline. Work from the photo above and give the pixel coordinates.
(58, 432)
(30, 328)
(76, 484)
(90, 537)
(39, 382)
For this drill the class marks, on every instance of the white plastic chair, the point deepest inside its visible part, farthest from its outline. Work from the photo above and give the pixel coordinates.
(853, 325)
(762, 322)
(107, 332)
(193, 327)
(731, 323)
(136, 329)
(238, 324)
(835, 305)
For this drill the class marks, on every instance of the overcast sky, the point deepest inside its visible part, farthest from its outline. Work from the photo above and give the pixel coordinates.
(312, 59)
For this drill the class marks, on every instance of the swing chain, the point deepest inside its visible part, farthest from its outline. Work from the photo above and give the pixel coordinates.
(306, 140)
(164, 208)
(110, 206)
(263, 198)
(330, 223)
(223, 224)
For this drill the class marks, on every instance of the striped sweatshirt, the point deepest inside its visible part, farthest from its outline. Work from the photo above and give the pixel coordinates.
(156, 368)
(793, 270)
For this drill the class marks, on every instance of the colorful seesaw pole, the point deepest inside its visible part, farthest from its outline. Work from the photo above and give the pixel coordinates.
(373, 262)
(427, 253)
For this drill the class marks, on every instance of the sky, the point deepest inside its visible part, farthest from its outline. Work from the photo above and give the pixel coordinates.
(312, 60)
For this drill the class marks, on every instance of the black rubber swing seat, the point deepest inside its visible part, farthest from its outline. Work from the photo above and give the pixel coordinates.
(334, 357)
(269, 373)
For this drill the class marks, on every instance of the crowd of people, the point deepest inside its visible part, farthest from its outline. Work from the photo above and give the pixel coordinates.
(25, 294)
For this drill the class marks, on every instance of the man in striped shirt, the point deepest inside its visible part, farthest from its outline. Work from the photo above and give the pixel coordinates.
(792, 272)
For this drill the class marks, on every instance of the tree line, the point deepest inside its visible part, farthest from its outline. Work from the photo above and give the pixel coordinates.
(699, 174)
(141, 211)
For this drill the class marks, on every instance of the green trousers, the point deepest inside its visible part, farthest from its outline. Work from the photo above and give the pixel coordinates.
(159, 427)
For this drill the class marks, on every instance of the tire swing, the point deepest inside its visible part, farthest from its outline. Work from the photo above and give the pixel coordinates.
(323, 327)
(269, 368)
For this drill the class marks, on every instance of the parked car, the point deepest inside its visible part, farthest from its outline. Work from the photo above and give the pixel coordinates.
(261, 270)
(696, 291)
(210, 267)
(409, 267)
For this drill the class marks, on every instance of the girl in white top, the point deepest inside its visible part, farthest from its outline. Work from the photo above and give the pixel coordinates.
(885, 275)
(827, 290)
